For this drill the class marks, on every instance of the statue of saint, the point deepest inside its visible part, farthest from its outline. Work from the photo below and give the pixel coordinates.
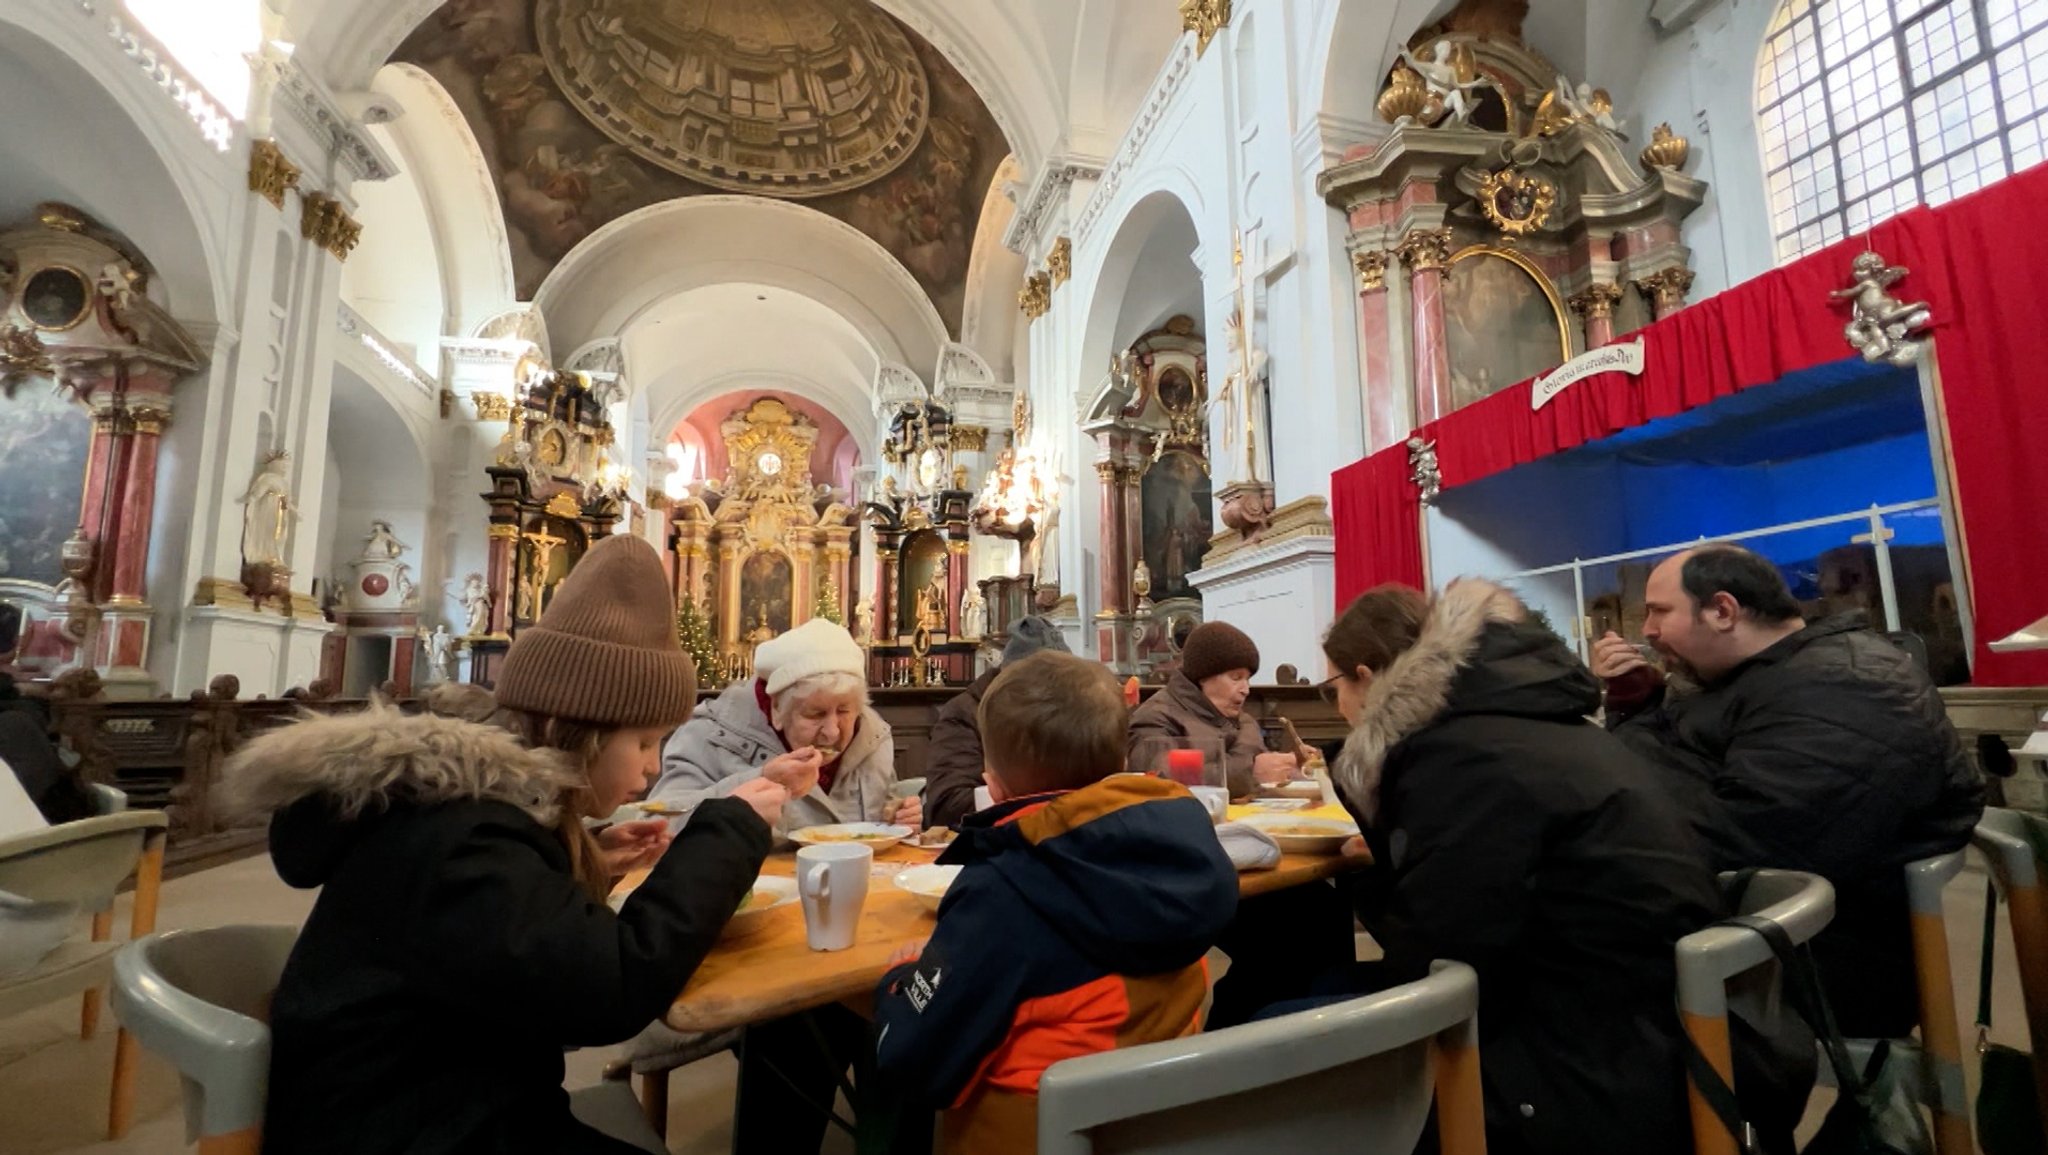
(440, 647)
(267, 511)
(476, 605)
(382, 543)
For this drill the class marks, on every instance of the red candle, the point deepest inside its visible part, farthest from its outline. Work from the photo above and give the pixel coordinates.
(1184, 766)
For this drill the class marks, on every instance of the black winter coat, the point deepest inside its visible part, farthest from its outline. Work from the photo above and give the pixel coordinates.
(451, 956)
(1829, 752)
(952, 759)
(1514, 835)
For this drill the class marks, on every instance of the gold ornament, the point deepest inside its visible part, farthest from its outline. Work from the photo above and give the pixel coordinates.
(1666, 149)
(1035, 298)
(271, 174)
(1517, 203)
(1204, 18)
(1371, 266)
(1060, 261)
(1407, 98)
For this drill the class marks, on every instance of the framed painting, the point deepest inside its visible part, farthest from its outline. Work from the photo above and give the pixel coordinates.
(766, 584)
(1503, 322)
(43, 444)
(1174, 507)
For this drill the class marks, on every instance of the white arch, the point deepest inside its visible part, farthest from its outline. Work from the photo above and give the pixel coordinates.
(441, 153)
(643, 258)
(1167, 190)
(78, 63)
(1360, 40)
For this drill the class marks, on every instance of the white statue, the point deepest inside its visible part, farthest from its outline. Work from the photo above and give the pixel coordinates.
(382, 544)
(476, 606)
(864, 621)
(1441, 74)
(267, 511)
(408, 592)
(973, 613)
(440, 647)
(1587, 104)
(1045, 545)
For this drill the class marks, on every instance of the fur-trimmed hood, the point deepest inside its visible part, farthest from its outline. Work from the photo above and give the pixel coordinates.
(1478, 653)
(369, 760)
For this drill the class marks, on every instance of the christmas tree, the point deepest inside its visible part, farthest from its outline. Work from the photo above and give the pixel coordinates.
(828, 603)
(695, 635)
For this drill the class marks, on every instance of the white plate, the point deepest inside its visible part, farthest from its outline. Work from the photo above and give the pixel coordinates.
(869, 834)
(1303, 834)
(1279, 805)
(770, 893)
(1298, 788)
(928, 883)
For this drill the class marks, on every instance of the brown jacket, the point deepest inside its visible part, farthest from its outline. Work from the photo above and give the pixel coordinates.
(952, 760)
(1181, 711)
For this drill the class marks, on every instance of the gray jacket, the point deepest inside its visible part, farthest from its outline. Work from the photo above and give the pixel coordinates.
(730, 739)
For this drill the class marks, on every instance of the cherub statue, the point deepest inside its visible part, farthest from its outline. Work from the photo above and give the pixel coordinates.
(1423, 468)
(1450, 79)
(1880, 326)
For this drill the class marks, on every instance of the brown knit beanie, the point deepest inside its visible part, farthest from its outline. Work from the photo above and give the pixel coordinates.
(604, 652)
(1217, 648)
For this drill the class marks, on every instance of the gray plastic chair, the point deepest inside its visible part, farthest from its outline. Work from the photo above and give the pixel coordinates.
(1710, 959)
(1355, 1077)
(83, 864)
(201, 999)
(2016, 846)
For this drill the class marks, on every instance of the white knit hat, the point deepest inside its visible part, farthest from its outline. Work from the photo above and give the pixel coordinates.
(816, 647)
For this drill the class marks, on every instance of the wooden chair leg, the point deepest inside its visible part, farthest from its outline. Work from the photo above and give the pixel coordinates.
(2028, 906)
(247, 1141)
(89, 1013)
(1940, 1039)
(654, 1101)
(1460, 1100)
(121, 1104)
(1709, 1135)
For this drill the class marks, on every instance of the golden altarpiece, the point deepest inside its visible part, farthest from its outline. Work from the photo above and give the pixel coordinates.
(1508, 222)
(1150, 423)
(759, 550)
(554, 491)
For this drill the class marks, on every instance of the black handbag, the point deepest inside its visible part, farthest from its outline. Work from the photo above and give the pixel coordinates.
(1872, 1115)
(2008, 1106)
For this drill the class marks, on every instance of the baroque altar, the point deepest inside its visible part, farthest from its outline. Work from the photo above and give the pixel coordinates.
(1509, 206)
(766, 548)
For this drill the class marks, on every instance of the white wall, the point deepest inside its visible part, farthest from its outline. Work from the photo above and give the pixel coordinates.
(393, 278)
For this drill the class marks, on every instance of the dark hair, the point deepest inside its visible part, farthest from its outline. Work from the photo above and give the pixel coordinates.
(1748, 577)
(1377, 627)
(1053, 721)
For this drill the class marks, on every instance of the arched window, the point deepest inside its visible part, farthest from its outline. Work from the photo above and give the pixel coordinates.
(1867, 107)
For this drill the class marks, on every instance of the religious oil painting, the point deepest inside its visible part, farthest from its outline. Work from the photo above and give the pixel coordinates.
(765, 581)
(43, 443)
(1500, 324)
(922, 583)
(587, 110)
(1174, 499)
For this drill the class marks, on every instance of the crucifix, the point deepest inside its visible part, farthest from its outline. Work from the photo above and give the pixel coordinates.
(543, 553)
(1236, 395)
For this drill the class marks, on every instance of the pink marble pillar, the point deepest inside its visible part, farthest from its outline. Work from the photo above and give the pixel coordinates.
(501, 575)
(1426, 252)
(956, 585)
(1375, 362)
(1595, 307)
(102, 465)
(1116, 584)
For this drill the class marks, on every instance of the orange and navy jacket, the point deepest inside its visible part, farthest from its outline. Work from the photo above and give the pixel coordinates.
(1078, 924)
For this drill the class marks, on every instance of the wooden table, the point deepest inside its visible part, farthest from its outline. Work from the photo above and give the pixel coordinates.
(773, 972)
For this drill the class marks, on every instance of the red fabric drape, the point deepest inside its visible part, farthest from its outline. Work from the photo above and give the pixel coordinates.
(1377, 516)
(1976, 261)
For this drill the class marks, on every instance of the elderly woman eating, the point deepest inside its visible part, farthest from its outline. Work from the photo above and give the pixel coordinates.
(803, 723)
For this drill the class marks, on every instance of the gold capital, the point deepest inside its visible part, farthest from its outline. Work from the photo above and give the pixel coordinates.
(1371, 266)
(271, 174)
(1425, 249)
(1597, 301)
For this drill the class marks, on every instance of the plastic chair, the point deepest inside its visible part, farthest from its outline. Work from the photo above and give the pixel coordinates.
(1803, 904)
(201, 999)
(2016, 844)
(1354, 1077)
(83, 864)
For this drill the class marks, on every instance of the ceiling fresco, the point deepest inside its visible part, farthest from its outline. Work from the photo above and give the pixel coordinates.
(591, 110)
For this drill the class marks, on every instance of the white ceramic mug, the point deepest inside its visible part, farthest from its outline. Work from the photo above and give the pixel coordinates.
(832, 880)
(1214, 799)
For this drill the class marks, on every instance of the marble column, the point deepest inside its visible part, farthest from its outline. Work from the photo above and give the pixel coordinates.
(886, 630)
(1595, 308)
(729, 594)
(1116, 582)
(838, 567)
(128, 618)
(1375, 350)
(1667, 290)
(803, 577)
(956, 583)
(1426, 253)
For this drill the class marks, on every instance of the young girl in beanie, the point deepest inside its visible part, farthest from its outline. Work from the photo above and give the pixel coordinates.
(461, 939)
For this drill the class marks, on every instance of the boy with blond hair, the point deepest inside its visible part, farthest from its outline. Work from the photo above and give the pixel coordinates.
(1078, 923)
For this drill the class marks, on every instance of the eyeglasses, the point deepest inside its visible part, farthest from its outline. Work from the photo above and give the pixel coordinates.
(1327, 688)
